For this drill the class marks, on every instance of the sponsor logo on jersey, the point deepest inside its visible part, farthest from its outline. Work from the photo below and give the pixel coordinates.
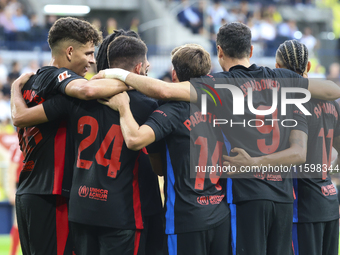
(83, 191)
(206, 200)
(63, 76)
(328, 190)
(28, 166)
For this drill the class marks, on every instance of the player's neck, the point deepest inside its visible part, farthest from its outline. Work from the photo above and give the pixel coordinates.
(234, 62)
(59, 63)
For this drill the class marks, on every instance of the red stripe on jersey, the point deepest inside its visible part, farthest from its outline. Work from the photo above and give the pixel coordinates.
(61, 224)
(136, 197)
(59, 158)
(137, 239)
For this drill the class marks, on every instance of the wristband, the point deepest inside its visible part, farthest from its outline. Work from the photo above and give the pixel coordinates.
(116, 73)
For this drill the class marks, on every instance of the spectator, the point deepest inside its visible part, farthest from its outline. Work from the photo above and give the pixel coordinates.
(190, 17)
(288, 29)
(97, 24)
(111, 25)
(15, 72)
(32, 66)
(334, 73)
(3, 73)
(21, 21)
(217, 12)
(309, 40)
(134, 25)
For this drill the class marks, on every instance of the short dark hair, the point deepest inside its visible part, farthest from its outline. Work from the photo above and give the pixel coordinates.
(190, 61)
(73, 29)
(235, 40)
(102, 60)
(293, 55)
(126, 52)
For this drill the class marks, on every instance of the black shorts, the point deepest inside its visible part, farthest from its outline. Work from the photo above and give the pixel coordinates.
(152, 236)
(215, 241)
(321, 238)
(95, 240)
(261, 227)
(43, 224)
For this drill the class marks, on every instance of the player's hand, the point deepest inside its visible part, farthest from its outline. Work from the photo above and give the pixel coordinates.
(100, 75)
(20, 82)
(117, 101)
(241, 159)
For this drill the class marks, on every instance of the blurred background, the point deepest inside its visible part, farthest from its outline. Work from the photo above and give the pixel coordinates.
(163, 25)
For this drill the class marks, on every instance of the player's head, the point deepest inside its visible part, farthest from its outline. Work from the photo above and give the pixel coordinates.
(293, 55)
(234, 41)
(102, 60)
(128, 53)
(72, 43)
(189, 61)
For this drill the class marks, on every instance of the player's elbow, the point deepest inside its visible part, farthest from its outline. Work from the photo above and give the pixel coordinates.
(18, 121)
(88, 93)
(165, 93)
(134, 144)
(334, 93)
(301, 157)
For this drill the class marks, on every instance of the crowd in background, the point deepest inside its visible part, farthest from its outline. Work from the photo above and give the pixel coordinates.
(20, 30)
(266, 23)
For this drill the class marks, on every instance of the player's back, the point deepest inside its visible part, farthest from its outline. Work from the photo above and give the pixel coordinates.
(316, 196)
(105, 188)
(249, 129)
(195, 201)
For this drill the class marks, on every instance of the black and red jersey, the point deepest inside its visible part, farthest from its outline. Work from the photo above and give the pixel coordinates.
(316, 196)
(194, 198)
(46, 147)
(258, 134)
(105, 188)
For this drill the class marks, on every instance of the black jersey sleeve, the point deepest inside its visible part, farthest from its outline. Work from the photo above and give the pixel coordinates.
(301, 120)
(291, 79)
(64, 76)
(165, 119)
(57, 107)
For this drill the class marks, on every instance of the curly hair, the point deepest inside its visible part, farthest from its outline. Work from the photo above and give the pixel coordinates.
(102, 60)
(293, 55)
(75, 30)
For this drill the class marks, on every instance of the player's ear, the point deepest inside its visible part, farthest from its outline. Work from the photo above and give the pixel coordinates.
(251, 51)
(277, 65)
(138, 68)
(69, 52)
(309, 65)
(219, 52)
(174, 76)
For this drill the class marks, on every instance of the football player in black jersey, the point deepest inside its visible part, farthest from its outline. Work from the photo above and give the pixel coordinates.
(197, 214)
(105, 207)
(316, 207)
(48, 148)
(266, 193)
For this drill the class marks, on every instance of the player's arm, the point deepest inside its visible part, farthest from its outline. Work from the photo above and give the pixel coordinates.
(136, 137)
(94, 88)
(323, 89)
(294, 155)
(22, 116)
(152, 87)
(336, 145)
(156, 163)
